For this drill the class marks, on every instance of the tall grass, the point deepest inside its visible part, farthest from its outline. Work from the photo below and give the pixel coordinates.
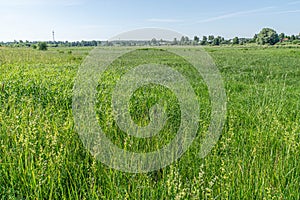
(257, 156)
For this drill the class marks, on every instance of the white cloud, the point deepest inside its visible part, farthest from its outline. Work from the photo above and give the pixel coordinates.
(234, 14)
(287, 12)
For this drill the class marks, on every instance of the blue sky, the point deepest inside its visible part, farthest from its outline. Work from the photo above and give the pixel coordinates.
(90, 19)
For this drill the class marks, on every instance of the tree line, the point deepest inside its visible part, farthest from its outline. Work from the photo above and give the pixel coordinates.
(266, 36)
(43, 45)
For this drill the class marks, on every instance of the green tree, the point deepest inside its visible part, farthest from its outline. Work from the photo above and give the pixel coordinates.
(204, 40)
(154, 41)
(293, 37)
(182, 40)
(281, 36)
(196, 39)
(267, 36)
(186, 40)
(175, 42)
(216, 41)
(254, 38)
(222, 39)
(42, 46)
(211, 38)
(235, 40)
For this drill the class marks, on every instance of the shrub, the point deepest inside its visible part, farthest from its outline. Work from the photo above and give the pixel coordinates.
(42, 46)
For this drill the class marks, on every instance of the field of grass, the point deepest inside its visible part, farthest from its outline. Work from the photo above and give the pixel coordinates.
(257, 156)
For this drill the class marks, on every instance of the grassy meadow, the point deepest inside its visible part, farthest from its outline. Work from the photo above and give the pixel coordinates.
(257, 156)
